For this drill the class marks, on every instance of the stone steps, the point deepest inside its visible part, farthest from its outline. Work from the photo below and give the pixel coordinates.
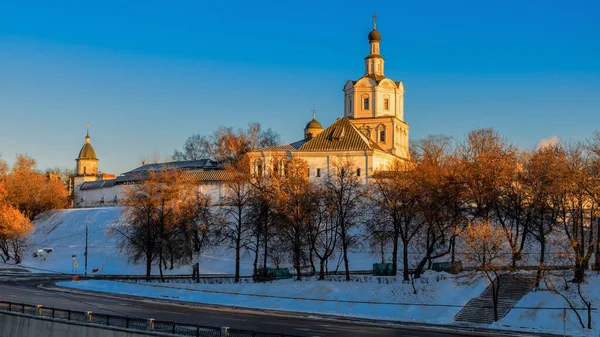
(481, 309)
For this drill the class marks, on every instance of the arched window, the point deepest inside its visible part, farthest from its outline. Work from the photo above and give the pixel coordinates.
(349, 106)
(365, 101)
(381, 133)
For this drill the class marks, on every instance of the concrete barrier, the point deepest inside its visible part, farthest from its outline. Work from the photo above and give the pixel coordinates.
(19, 325)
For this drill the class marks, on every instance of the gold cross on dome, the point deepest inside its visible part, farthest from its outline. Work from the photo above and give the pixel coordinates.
(374, 16)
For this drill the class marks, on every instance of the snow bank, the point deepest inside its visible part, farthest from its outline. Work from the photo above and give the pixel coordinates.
(527, 317)
(437, 300)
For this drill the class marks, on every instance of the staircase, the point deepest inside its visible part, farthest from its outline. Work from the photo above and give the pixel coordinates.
(481, 309)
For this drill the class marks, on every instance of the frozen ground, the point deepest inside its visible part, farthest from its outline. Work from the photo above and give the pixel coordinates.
(64, 232)
(439, 297)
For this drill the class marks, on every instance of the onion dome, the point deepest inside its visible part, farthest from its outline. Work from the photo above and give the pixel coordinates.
(313, 124)
(374, 35)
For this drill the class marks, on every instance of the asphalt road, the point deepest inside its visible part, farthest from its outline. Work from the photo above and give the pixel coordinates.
(28, 292)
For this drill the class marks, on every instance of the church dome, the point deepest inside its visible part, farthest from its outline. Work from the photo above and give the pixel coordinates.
(87, 151)
(313, 124)
(374, 35)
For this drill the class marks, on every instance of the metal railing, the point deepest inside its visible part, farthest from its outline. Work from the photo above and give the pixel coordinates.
(132, 323)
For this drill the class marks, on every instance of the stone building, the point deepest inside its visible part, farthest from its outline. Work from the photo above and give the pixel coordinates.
(372, 131)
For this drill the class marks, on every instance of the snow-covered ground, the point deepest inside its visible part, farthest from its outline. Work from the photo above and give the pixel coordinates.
(541, 310)
(439, 297)
(64, 232)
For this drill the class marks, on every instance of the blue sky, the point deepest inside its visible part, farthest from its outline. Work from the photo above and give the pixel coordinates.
(148, 74)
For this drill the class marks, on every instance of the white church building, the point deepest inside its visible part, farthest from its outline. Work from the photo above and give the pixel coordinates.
(371, 132)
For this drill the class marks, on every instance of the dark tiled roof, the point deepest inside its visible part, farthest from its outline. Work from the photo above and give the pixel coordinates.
(92, 185)
(210, 175)
(197, 176)
(340, 136)
(287, 147)
(179, 165)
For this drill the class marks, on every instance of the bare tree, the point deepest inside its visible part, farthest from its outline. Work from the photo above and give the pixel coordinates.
(323, 231)
(227, 146)
(486, 250)
(344, 188)
(294, 211)
(441, 203)
(513, 209)
(542, 180)
(236, 202)
(395, 197)
(488, 160)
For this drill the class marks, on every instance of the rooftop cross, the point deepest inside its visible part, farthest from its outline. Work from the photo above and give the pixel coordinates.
(314, 111)
(88, 128)
(374, 16)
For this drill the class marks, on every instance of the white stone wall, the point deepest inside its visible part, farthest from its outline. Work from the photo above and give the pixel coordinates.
(99, 197)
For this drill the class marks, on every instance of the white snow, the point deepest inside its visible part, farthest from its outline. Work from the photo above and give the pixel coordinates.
(63, 232)
(438, 297)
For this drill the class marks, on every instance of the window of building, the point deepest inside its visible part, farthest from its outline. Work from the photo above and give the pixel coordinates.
(366, 103)
(259, 168)
(386, 104)
(358, 171)
(318, 172)
(382, 135)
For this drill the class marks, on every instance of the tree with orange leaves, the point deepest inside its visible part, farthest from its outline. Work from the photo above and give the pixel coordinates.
(31, 191)
(14, 226)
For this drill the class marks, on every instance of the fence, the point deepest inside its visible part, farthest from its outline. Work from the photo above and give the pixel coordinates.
(133, 323)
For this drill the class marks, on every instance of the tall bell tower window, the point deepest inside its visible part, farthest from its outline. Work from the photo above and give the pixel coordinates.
(366, 102)
(382, 135)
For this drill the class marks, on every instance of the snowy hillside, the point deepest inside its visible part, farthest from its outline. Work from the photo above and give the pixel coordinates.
(64, 232)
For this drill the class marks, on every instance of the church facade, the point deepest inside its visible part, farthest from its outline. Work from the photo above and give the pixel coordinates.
(371, 133)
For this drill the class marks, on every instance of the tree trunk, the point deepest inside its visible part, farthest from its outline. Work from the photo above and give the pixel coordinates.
(345, 254)
(597, 252)
(495, 292)
(395, 253)
(160, 267)
(322, 270)
(238, 247)
(148, 266)
(405, 261)
(579, 272)
(542, 258)
(453, 250)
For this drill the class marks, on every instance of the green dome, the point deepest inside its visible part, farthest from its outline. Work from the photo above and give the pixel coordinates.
(87, 151)
(374, 35)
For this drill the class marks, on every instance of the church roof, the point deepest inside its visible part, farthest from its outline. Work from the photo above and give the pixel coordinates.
(87, 151)
(340, 136)
(179, 165)
(287, 147)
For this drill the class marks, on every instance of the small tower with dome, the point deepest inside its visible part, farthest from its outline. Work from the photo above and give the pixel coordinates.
(87, 162)
(312, 129)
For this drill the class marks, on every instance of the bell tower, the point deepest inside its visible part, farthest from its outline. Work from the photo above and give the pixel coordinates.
(375, 103)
